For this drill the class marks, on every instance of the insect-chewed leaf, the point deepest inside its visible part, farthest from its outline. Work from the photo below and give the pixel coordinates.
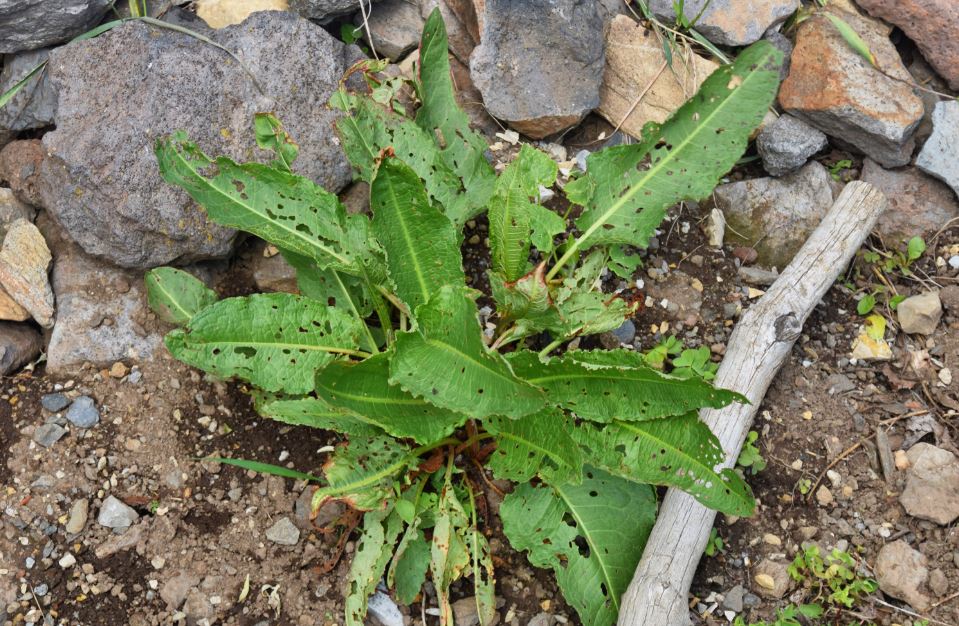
(446, 363)
(484, 583)
(176, 296)
(589, 313)
(373, 551)
(621, 390)
(535, 445)
(511, 212)
(361, 473)
(421, 244)
(462, 148)
(592, 536)
(627, 189)
(276, 341)
(677, 452)
(312, 412)
(407, 572)
(329, 286)
(363, 388)
(290, 211)
(270, 135)
(449, 553)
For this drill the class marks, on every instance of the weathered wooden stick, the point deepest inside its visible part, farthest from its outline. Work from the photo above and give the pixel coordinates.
(758, 347)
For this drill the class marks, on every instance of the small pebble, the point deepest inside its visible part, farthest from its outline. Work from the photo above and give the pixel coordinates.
(54, 402)
(83, 413)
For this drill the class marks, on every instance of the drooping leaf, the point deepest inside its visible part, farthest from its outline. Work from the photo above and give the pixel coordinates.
(677, 452)
(270, 135)
(627, 189)
(484, 583)
(277, 341)
(511, 211)
(176, 296)
(363, 388)
(446, 363)
(449, 553)
(264, 468)
(589, 313)
(462, 148)
(313, 412)
(591, 535)
(373, 551)
(535, 445)
(410, 564)
(618, 391)
(290, 211)
(361, 473)
(422, 247)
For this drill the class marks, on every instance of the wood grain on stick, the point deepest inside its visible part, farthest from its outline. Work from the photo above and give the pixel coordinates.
(758, 347)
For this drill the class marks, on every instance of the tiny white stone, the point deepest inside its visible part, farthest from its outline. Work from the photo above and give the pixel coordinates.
(67, 561)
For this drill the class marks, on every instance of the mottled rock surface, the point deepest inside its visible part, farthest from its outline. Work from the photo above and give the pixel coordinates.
(932, 24)
(729, 22)
(932, 485)
(918, 204)
(900, 571)
(32, 24)
(787, 143)
(35, 103)
(101, 180)
(395, 27)
(939, 156)
(325, 10)
(840, 93)
(24, 262)
(540, 63)
(20, 167)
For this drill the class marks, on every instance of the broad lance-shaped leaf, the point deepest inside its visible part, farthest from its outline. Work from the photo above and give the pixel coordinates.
(289, 211)
(677, 452)
(176, 296)
(536, 445)
(511, 211)
(276, 341)
(591, 535)
(446, 363)
(627, 189)
(462, 149)
(361, 473)
(620, 390)
(373, 552)
(422, 247)
(363, 389)
(313, 412)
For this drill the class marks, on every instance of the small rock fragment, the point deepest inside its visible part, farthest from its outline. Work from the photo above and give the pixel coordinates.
(48, 434)
(78, 516)
(24, 261)
(283, 532)
(175, 589)
(83, 413)
(772, 579)
(932, 484)
(222, 13)
(900, 571)
(395, 26)
(786, 144)
(116, 515)
(55, 402)
(920, 314)
(67, 561)
(728, 22)
(940, 154)
(733, 599)
(824, 496)
(19, 344)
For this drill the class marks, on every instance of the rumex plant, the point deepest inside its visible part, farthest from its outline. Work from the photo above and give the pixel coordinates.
(384, 345)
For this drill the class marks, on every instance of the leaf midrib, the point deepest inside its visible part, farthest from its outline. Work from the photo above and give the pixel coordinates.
(170, 297)
(401, 216)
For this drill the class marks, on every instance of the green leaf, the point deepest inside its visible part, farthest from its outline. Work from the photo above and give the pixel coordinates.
(312, 412)
(866, 304)
(410, 564)
(264, 468)
(449, 553)
(592, 535)
(176, 296)
(851, 37)
(484, 585)
(621, 392)
(422, 249)
(446, 362)
(915, 248)
(462, 148)
(373, 551)
(895, 301)
(270, 135)
(535, 445)
(8, 95)
(589, 313)
(511, 210)
(363, 388)
(289, 211)
(623, 262)
(276, 341)
(361, 473)
(677, 452)
(627, 189)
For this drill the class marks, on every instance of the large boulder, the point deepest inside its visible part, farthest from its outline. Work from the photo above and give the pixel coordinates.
(932, 24)
(36, 102)
(729, 22)
(540, 63)
(100, 179)
(31, 24)
(832, 87)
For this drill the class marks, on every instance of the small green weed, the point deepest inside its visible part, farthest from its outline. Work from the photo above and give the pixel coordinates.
(750, 458)
(715, 545)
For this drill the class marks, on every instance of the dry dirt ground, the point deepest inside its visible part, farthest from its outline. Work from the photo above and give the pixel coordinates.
(202, 530)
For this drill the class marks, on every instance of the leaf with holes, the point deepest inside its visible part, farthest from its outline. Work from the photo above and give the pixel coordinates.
(449, 552)
(289, 211)
(591, 535)
(627, 189)
(373, 551)
(361, 473)
(422, 247)
(676, 452)
(619, 391)
(276, 341)
(535, 445)
(511, 210)
(176, 296)
(363, 389)
(312, 412)
(270, 135)
(446, 363)
(407, 571)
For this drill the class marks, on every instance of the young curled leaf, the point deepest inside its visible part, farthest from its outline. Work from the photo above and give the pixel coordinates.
(361, 473)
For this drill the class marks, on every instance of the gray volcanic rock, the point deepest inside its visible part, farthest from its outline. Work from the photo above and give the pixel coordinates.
(100, 179)
(786, 144)
(325, 10)
(540, 63)
(939, 156)
(729, 22)
(36, 102)
(31, 24)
